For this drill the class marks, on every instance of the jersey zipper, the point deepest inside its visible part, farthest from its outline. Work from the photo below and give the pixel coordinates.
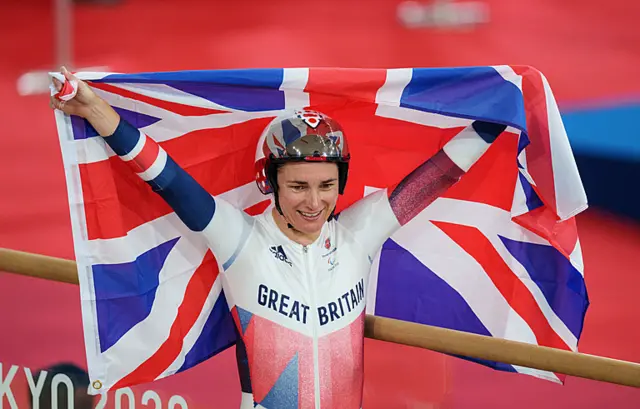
(314, 326)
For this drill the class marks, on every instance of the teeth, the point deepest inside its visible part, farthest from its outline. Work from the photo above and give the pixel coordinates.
(311, 214)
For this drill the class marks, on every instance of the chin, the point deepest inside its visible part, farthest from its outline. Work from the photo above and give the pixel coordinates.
(311, 226)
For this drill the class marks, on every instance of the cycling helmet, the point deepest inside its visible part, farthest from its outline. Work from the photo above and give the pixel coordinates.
(300, 135)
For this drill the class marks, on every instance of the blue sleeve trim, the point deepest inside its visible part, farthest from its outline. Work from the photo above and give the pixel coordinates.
(191, 202)
(246, 229)
(124, 138)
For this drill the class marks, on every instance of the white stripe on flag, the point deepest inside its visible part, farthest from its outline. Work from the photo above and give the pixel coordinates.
(93, 149)
(519, 204)
(95, 365)
(538, 373)
(523, 275)
(173, 127)
(167, 93)
(421, 117)
(396, 81)
(508, 74)
(433, 248)
(145, 338)
(522, 158)
(571, 198)
(195, 331)
(451, 211)
(84, 75)
(488, 219)
(244, 196)
(294, 82)
(93, 75)
(151, 234)
(139, 240)
(576, 257)
(134, 105)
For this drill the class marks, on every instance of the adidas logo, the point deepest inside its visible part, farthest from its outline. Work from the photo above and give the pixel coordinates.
(278, 252)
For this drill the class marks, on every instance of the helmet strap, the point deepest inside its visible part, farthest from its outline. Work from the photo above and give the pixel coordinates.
(273, 181)
(275, 197)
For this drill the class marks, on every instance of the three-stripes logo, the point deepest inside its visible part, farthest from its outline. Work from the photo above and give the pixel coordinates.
(278, 253)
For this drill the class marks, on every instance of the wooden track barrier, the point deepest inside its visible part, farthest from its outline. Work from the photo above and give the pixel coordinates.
(406, 333)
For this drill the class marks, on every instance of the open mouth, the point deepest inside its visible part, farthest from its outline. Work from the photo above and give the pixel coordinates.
(310, 216)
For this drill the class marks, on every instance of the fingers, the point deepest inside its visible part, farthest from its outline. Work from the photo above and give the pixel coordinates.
(55, 103)
(68, 75)
(57, 84)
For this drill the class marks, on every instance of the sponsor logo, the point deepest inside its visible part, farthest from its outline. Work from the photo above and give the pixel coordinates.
(278, 253)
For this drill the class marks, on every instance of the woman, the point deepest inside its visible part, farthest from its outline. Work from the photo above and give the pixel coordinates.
(294, 277)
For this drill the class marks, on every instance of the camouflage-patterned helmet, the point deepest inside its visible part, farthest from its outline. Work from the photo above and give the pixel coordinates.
(300, 135)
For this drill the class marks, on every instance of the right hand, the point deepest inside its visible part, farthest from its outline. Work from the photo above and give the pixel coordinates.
(84, 102)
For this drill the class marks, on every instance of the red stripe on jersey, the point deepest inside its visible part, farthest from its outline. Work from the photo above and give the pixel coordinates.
(272, 347)
(193, 302)
(175, 107)
(339, 388)
(473, 242)
(146, 157)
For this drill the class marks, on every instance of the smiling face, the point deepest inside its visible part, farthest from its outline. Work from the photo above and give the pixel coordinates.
(307, 193)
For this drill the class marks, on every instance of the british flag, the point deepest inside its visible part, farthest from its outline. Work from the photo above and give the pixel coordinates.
(498, 255)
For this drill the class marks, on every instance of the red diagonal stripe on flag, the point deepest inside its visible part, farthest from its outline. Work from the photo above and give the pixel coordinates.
(472, 241)
(176, 108)
(193, 302)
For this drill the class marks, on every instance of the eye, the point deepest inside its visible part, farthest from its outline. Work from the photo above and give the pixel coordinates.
(327, 186)
(297, 188)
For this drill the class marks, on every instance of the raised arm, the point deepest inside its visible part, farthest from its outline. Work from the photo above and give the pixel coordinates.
(435, 176)
(150, 162)
(221, 224)
(375, 218)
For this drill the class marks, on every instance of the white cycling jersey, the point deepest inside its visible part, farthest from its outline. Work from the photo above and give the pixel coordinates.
(299, 310)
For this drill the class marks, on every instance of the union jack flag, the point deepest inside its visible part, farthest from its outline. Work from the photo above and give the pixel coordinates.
(498, 255)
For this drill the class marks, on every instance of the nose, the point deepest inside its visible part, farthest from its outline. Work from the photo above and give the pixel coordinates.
(314, 198)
